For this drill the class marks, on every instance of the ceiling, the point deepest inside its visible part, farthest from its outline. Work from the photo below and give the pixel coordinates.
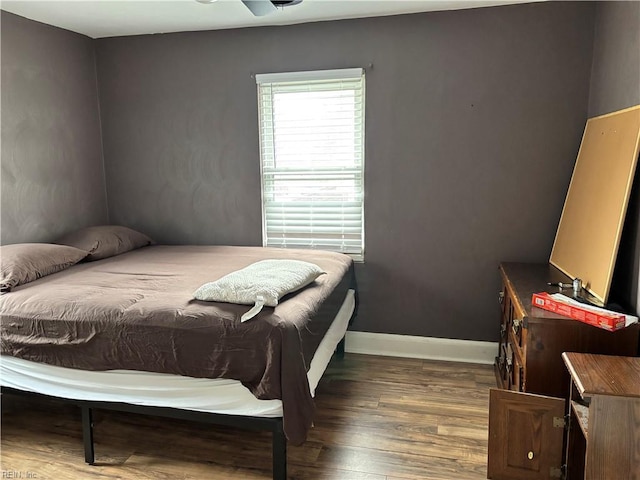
(111, 18)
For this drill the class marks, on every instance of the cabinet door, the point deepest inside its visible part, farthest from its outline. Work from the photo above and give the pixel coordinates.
(525, 436)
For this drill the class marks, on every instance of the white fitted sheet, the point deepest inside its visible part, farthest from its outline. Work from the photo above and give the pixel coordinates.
(165, 390)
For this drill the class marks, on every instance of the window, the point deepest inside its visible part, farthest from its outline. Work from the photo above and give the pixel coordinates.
(312, 155)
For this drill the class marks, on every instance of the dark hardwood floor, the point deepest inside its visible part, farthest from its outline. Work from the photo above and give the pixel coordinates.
(378, 418)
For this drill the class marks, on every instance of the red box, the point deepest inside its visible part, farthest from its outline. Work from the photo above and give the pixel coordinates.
(608, 321)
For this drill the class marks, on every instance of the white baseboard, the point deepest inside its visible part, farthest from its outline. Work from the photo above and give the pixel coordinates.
(431, 348)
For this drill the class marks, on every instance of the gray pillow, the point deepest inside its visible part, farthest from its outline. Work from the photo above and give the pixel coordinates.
(22, 263)
(105, 240)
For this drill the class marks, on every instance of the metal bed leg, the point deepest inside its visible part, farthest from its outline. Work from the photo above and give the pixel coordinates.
(87, 434)
(279, 444)
(340, 348)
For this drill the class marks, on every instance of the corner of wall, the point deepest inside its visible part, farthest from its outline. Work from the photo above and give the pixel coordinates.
(99, 110)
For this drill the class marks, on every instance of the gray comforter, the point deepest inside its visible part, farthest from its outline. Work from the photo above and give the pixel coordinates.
(136, 311)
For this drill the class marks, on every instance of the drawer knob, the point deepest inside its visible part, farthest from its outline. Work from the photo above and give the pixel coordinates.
(530, 455)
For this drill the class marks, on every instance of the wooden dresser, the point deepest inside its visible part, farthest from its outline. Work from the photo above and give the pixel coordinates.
(532, 340)
(528, 430)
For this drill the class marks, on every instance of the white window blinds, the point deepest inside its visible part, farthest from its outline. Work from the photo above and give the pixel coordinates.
(312, 152)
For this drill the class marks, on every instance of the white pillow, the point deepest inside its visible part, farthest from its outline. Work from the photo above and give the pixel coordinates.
(261, 283)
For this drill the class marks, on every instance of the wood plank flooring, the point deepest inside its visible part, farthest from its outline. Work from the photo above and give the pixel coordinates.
(378, 418)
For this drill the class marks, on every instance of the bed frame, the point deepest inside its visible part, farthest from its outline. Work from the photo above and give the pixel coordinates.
(273, 425)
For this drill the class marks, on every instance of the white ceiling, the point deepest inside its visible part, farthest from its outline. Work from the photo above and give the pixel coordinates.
(110, 18)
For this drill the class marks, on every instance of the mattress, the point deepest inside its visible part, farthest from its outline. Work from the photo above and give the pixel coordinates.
(222, 396)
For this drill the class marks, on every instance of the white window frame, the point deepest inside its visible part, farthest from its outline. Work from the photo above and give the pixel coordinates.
(319, 225)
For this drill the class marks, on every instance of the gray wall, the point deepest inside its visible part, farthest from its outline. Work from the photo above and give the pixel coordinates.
(615, 74)
(473, 122)
(52, 169)
(474, 119)
(615, 84)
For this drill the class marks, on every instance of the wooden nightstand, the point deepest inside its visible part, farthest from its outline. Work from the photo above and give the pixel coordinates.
(604, 408)
(599, 425)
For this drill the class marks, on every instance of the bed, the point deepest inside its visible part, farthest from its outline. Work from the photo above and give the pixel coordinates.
(124, 332)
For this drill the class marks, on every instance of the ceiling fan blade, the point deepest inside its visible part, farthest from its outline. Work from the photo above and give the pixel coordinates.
(260, 7)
